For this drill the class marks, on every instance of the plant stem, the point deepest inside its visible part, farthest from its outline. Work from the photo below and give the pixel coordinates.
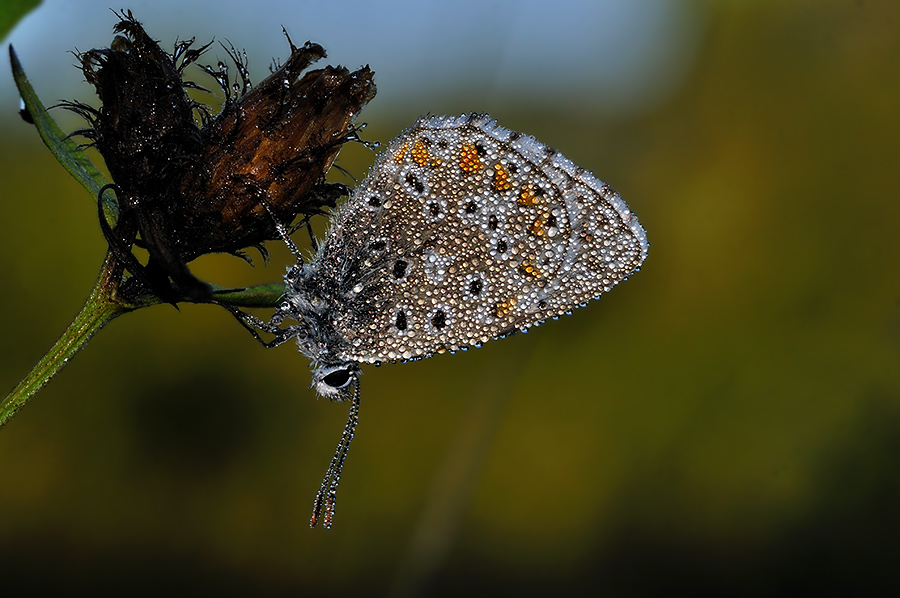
(98, 311)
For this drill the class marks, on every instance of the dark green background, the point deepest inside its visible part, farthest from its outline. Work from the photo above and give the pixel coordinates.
(727, 421)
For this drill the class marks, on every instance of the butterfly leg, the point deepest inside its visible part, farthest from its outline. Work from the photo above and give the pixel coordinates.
(251, 323)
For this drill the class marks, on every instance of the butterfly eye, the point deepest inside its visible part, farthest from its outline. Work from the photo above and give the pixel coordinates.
(337, 381)
(337, 378)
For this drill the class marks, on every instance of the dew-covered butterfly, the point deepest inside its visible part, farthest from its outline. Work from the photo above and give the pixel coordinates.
(462, 232)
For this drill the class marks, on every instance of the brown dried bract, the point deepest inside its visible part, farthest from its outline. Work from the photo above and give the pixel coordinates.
(271, 149)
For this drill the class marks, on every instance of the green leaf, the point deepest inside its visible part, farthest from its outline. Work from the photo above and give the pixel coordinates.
(12, 11)
(62, 147)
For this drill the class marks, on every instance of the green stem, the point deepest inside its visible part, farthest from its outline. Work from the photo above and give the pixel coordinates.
(102, 307)
(98, 311)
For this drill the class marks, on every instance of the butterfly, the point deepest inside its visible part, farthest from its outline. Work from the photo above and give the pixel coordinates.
(462, 232)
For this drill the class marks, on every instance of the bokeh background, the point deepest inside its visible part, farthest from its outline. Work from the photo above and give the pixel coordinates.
(725, 422)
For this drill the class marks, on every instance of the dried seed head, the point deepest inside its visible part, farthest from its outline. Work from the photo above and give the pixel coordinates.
(189, 183)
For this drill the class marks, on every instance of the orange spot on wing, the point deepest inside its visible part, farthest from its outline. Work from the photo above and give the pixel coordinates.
(537, 228)
(501, 181)
(469, 161)
(529, 270)
(504, 308)
(528, 196)
(419, 153)
(401, 153)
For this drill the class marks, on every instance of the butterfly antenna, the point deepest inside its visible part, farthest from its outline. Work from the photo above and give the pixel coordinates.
(327, 495)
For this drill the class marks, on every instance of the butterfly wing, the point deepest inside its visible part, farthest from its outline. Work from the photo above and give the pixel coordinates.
(463, 232)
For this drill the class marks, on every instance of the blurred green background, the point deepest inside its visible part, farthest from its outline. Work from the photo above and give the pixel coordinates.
(725, 422)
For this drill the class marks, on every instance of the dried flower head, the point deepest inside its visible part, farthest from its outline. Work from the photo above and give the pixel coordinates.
(190, 183)
(269, 149)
